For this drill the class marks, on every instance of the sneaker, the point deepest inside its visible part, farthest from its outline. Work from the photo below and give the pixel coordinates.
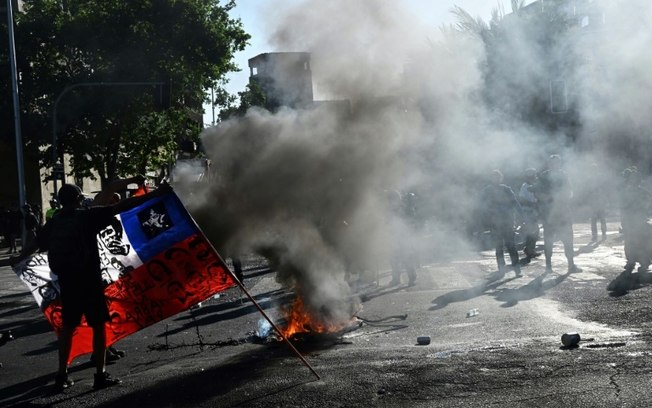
(395, 282)
(62, 382)
(105, 380)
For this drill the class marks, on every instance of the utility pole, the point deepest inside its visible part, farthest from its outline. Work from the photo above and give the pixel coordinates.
(19, 137)
(213, 105)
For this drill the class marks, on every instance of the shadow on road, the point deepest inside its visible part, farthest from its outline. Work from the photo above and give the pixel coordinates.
(30, 326)
(627, 281)
(534, 289)
(193, 389)
(22, 393)
(588, 248)
(492, 287)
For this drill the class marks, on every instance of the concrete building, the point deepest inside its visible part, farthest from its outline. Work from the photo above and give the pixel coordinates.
(286, 80)
(284, 77)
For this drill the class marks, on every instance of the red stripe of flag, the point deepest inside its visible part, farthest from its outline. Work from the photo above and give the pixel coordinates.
(179, 277)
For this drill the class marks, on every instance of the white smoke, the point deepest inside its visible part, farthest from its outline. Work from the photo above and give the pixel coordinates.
(309, 188)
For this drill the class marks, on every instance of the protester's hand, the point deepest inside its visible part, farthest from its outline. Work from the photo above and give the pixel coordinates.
(139, 179)
(163, 188)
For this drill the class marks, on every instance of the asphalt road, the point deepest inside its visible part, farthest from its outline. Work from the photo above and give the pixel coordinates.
(508, 354)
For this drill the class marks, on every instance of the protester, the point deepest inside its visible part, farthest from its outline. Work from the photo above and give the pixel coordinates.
(499, 207)
(529, 205)
(12, 231)
(54, 207)
(6, 216)
(635, 206)
(596, 202)
(555, 193)
(31, 223)
(237, 268)
(70, 239)
(402, 254)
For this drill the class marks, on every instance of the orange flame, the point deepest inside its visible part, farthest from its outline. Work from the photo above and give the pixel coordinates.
(300, 320)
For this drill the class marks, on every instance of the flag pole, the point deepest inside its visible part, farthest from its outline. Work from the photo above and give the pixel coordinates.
(246, 292)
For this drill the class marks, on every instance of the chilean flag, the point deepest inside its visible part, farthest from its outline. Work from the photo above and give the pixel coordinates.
(156, 263)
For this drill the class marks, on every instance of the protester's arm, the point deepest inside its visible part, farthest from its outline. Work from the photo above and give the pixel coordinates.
(104, 196)
(132, 202)
(515, 203)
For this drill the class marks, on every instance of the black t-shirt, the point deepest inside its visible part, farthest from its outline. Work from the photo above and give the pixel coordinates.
(31, 222)
(70, 238)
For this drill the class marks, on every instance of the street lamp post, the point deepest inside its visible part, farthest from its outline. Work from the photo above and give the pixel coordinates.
(57, 166)
(20, 165)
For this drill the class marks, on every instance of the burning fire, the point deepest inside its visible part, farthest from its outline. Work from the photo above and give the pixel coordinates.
(300, 320)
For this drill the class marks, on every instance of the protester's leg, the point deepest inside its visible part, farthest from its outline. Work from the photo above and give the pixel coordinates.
(566, 232)
(603, 224)
(396, 271)
(62, 381)
(237, 269)
(499, 244)
(530, 245)
(510, 244)
(102, 379)
(531, 239)
(548, 240)
(65, 345)
(99, 347)
(639, 242)
(594, 226)
(412, 274)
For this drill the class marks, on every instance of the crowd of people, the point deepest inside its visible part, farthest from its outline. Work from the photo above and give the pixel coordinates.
(12, 219)
(545, 201)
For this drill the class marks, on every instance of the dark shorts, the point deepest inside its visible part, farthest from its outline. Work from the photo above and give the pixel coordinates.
(78, 300)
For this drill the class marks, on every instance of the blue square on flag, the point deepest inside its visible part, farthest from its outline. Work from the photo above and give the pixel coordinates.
(154, 220)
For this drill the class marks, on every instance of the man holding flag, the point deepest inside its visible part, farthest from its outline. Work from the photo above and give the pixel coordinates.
(71, 241)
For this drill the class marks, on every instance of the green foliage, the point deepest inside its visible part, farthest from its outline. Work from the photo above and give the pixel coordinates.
(525, 51)
(118, 130)
(252, 96)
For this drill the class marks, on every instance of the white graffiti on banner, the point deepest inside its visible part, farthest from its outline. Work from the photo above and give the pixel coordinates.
(117, 256)
(36, 274)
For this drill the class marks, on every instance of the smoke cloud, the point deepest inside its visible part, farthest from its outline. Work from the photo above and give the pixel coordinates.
(433, 111)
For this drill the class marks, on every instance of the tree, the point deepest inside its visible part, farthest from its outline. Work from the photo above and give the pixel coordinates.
(525, 51)
(116, 130)
(238, 107)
